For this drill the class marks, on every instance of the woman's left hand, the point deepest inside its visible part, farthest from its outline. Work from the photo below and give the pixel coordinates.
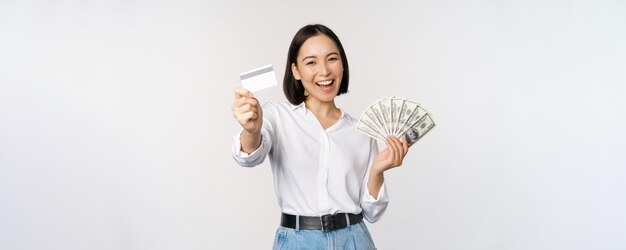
(392, 156)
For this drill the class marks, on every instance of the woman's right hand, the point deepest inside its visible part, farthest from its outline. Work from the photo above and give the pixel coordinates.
(247, 111)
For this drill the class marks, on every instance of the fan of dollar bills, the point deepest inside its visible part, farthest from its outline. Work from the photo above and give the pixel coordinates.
(395, 116)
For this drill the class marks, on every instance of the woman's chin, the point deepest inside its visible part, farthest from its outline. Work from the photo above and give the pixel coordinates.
(323, 98)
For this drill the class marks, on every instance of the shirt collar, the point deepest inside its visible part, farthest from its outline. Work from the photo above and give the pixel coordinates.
(302, 108)
(294, 107)
(299, 108)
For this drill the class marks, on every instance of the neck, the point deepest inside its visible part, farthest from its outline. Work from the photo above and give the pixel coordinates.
(322, 109)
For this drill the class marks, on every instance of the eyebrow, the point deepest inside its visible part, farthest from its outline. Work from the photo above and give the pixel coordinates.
(329, 54)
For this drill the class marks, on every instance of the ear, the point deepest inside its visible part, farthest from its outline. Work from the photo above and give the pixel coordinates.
(295, 72)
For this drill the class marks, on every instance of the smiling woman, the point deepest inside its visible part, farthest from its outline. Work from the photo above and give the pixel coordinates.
(327, 176)
(320, 68)
(315, 47)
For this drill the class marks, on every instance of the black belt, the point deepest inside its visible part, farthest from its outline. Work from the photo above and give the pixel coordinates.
(325, 222)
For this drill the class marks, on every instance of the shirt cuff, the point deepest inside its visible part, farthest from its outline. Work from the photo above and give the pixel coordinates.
(237, 147)
(374, 207)
(382, 195)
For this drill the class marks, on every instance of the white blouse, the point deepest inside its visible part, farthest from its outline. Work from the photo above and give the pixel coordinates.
(316, 171)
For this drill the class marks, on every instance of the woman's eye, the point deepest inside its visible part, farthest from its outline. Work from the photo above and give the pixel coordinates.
(310, 63)
(332, 59)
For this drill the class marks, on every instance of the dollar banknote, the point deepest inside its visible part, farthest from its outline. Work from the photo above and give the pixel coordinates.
(395, 116)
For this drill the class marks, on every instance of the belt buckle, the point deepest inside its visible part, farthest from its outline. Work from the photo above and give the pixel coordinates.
(326, 222)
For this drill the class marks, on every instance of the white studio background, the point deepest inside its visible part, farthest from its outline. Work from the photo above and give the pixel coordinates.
(115, 123)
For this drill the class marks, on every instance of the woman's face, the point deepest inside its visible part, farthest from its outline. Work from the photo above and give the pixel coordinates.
(319, 67)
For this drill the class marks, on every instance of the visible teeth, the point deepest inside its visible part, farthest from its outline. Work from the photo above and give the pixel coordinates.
(325, 82)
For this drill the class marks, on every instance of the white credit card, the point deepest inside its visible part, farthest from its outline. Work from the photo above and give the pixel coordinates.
(258, 79)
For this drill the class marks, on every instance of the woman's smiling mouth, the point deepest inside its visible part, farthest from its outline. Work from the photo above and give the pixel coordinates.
(326, 86)
(324, 83)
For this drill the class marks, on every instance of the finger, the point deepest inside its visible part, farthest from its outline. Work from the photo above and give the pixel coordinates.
(240, 101)
(392, 149)
(387, 141)
(247, 100)
(393, 141)
(387, 158)
(245, 117)
(397, 146)
(405, 145)
(238, 106)
(388, 148)
(246, 108)
(239, 92)
(234, 108)
(253, 101)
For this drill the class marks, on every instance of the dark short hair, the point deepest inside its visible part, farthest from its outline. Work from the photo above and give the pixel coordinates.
(294, 91)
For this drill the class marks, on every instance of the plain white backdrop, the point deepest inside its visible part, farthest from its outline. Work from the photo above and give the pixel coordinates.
(115, 123)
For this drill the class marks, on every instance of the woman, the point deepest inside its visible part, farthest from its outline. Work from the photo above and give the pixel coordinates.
(327, 176)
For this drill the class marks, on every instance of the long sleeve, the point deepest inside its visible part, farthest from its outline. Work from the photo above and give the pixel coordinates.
(373, 207)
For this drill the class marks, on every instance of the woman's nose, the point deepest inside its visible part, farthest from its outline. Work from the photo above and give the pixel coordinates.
(325, 70)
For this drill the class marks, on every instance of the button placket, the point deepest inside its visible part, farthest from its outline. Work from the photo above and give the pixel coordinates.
(323, 172)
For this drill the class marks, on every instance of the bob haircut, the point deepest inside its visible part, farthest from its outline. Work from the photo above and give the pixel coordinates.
(294, 91)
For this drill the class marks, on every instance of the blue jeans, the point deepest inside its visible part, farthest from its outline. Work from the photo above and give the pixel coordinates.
(355, 237)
